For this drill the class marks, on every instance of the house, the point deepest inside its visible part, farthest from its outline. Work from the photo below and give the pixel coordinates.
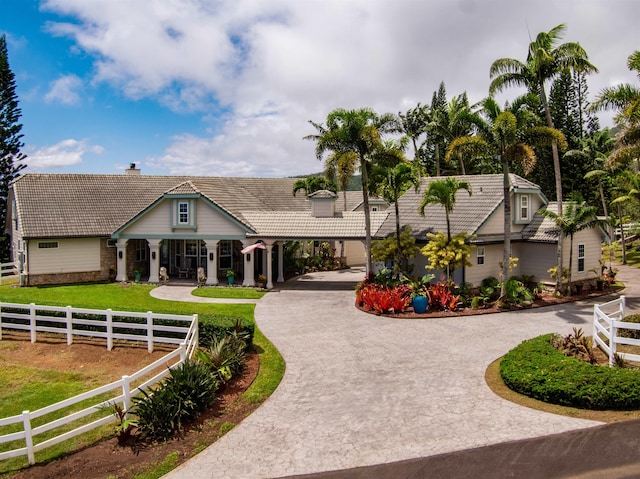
(534, 238)
(68, 228)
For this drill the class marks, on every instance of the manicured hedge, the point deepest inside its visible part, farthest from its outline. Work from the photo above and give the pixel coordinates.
(538, 370)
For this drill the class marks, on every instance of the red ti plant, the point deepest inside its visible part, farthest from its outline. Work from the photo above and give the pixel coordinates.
(383, 299)
(441, 298)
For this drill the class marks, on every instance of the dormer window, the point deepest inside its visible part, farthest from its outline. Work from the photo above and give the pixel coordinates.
(183, 213)
(524, 208)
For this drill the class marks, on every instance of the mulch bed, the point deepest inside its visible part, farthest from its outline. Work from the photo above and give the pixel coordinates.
(548, 299)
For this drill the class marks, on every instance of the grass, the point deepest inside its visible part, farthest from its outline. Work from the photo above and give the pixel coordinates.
(26, 389)
(227, 292)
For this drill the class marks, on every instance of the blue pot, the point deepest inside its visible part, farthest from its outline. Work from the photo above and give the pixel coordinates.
(420, 304)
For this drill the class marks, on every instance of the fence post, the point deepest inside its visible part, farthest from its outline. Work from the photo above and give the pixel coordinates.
(126, 393)
(183, 351)
(612, 343)
(0, 321)
(150, 331)
(28, 437)
(623, 305)
(32, 321)
(196, 339)
(69, 325)
(109, 329)
(595, 323)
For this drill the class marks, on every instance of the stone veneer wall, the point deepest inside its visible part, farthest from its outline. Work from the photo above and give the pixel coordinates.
(107, 260)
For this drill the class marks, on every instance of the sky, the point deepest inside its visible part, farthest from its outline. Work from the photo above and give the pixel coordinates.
(227, 88)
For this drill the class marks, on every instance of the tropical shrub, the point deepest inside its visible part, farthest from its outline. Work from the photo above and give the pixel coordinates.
(446, 255)
(387, 249)
(208, 332)
(441, 298)
(575, 345)
(225, 357)
(515, 293)
(162, 412)
(538, 370)
(383, 299)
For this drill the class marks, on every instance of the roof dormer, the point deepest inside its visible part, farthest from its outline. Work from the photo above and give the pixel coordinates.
(323, 203)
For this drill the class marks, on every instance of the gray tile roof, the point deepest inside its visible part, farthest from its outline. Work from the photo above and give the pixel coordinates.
(469, 214)
(542, 229)
(298, 225)
(79, 205)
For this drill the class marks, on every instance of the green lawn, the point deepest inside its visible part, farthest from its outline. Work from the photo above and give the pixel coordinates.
(226, 292)
(28, 389)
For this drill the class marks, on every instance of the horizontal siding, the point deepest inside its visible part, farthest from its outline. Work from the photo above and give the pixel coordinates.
(71, 256)
(491, 267)
(158, 221)
(593, 253)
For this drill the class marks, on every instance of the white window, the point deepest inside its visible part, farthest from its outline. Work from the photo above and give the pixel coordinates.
(183, 213)
(524, 207)
(480, 255)
(47, 244)
(581, 257)
(225, 256)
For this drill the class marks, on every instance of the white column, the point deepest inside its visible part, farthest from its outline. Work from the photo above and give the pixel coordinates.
(212, 261)
(121, 260)
(249, 280)
(280, 262)
(269, 255)
(154, 260)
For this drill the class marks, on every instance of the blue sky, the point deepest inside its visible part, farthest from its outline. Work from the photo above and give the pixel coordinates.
(227, 87)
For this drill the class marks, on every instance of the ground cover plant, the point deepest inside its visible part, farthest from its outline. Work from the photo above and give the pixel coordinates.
(539, 370)
(216, 320)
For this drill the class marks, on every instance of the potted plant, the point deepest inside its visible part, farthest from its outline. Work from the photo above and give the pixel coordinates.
(262, 281)
(230, 276)
(420, 293)
(137, 275)
(599, 276)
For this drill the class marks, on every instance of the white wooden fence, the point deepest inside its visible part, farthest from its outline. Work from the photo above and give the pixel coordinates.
(607, 320)
(123, 388)
(8, 270)
(96, 323)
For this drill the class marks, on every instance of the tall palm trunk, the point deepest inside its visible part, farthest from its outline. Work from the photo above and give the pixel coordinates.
(622, 240)
(398, 244)
(506, 252)
(558, 176)
(367, 213)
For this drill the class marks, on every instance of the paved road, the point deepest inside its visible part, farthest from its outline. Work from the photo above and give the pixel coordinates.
(363, 391)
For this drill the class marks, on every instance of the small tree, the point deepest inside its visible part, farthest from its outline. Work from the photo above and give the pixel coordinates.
(577, 216)
(447, 253)
(387, 249)
(443, 192)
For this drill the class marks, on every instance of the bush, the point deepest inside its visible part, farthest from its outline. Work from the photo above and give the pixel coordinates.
(630, 333)
(538, 370)
(225, 357)
(383, 299)
(209, 332)
(180, 398)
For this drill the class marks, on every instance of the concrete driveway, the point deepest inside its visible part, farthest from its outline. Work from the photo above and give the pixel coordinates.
(362, 390)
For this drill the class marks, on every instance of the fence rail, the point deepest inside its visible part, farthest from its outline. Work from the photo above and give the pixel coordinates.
(11, 317)
(608, 318)
(8, 270)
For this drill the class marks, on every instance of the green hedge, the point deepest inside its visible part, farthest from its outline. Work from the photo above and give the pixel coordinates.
(538, 370)
(219, 326)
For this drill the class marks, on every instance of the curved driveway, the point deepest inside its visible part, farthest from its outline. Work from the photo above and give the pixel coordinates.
(361, 389)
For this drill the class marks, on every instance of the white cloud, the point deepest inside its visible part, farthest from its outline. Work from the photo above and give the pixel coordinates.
(275, 65)
(65, 153)
(65, 90)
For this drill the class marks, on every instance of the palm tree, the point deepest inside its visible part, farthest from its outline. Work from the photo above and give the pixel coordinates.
(625, 99)
(546, 60)
(577, 216)
(629, 185)
(455, 121)
(414, 124)
(391, 181)
(503, 134)
(314, 183)
(443, 192)
(341, 167)
(358, 132)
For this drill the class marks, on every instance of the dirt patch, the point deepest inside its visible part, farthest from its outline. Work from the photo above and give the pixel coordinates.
(107, 459)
